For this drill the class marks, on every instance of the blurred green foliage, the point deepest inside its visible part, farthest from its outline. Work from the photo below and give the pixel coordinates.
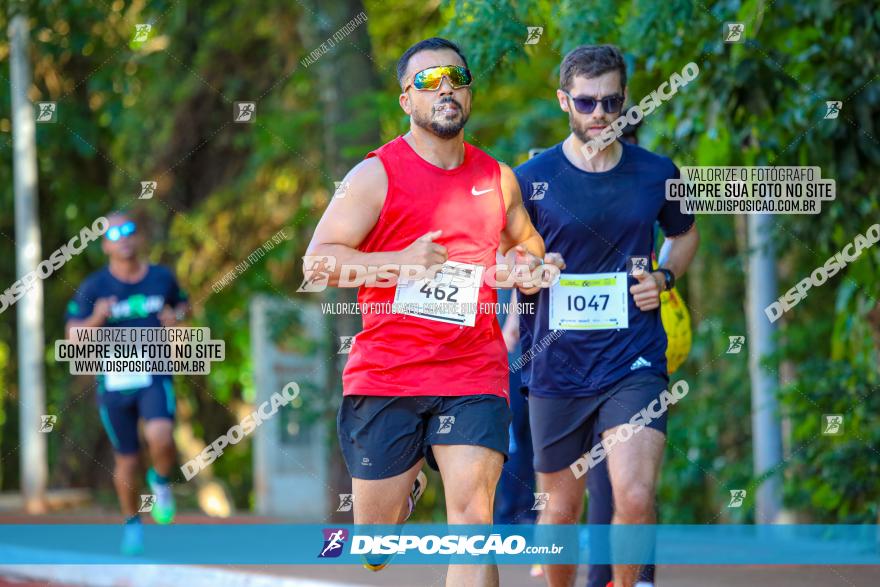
(162, 110)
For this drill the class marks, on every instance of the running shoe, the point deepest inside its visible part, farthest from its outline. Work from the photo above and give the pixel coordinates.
(163, 508)
(133, 537)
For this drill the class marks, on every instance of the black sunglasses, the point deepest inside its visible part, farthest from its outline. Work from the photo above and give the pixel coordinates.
(585, 105)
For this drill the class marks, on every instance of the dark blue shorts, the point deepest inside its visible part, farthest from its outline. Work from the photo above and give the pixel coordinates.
(120, 411)
(383, 436)
(563, 427)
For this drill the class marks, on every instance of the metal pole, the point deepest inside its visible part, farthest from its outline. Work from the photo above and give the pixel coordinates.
(263, 445)
(29, 310)
(766, 429)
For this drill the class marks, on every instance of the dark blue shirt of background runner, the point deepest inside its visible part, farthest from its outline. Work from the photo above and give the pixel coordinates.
(597, 221)
(137, 304)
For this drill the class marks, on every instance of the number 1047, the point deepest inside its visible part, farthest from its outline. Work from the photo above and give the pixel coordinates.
(579, 303)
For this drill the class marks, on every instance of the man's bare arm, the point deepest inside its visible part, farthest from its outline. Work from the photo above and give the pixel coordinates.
(676, 254)
(520, 235)
(349, 219)
(519, 230)
(96, 319)
(678, 251)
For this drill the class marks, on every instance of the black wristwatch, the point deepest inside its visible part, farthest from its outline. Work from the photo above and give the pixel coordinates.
(669, 276)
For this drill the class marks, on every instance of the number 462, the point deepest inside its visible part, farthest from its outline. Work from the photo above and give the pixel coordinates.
(439, 293)
(580, 302)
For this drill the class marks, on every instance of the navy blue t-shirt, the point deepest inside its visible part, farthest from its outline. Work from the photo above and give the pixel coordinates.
(597, 221)
(137, 304)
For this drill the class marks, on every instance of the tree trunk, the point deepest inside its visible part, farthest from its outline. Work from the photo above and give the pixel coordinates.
(346, 76)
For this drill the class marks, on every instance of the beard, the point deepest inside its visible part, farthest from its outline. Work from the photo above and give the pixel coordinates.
(580, 130)
(445, 129)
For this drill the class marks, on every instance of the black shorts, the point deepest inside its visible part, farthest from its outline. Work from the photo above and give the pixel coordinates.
(384, 436)
(121, 410)
(563, 428)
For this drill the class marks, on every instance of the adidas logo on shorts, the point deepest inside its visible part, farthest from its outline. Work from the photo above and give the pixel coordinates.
(639, 363)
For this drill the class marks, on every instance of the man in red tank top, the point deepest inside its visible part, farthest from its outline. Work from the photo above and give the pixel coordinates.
(428, 382)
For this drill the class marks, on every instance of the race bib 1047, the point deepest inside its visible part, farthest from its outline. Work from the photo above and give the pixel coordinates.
(589, 301)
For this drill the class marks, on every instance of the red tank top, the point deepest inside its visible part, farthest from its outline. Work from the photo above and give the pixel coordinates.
(402, 355)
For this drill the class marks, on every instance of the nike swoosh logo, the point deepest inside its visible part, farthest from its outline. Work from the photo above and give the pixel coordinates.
(474, 191)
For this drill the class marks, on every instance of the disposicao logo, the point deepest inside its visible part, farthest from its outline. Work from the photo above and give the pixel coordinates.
(334, 540)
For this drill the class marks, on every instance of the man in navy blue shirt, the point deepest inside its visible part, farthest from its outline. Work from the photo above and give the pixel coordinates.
(130, 292)
(609, 364)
